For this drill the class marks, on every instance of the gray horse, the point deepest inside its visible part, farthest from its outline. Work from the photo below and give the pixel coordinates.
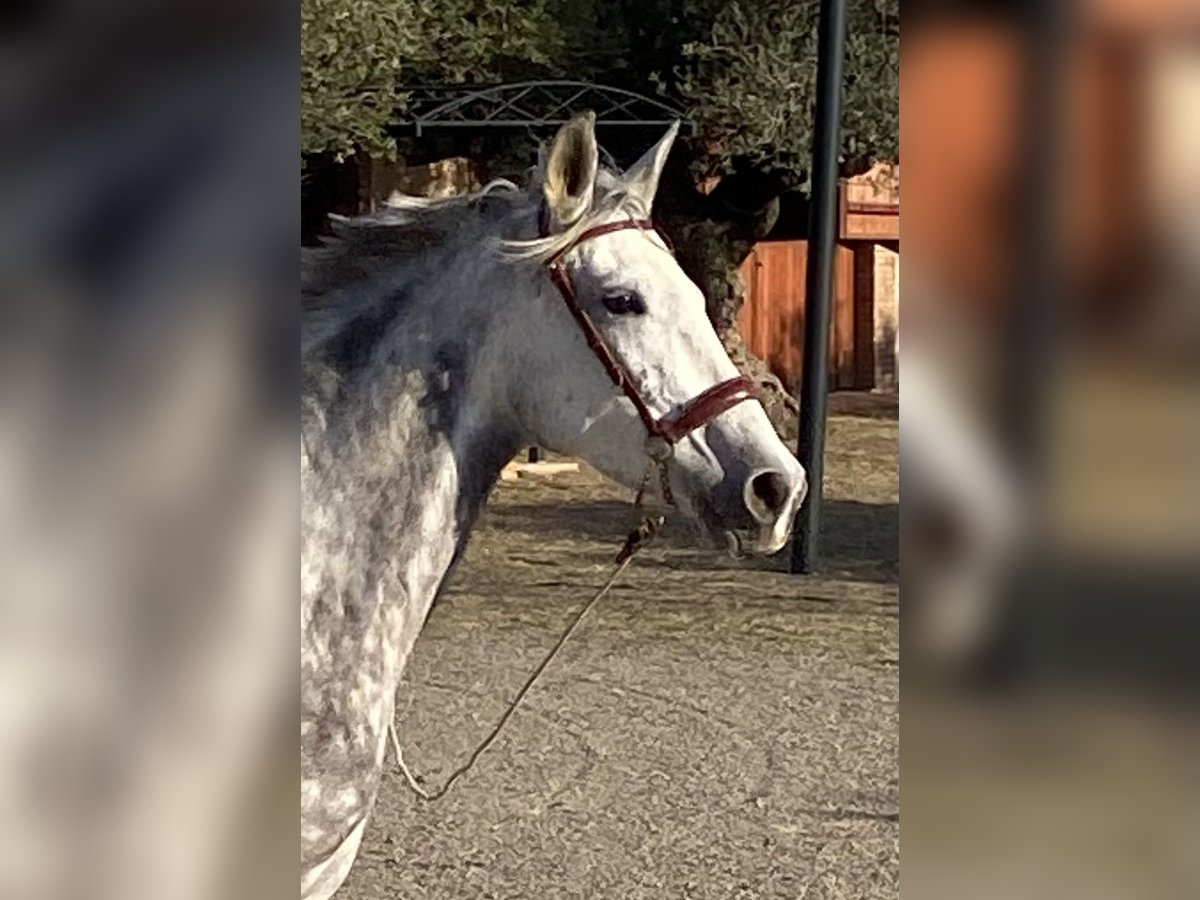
(434, 346)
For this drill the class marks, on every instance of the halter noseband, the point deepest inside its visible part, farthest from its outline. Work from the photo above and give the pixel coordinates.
(696, 412)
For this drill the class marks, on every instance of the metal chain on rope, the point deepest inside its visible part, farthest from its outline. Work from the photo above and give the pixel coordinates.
(644, 528)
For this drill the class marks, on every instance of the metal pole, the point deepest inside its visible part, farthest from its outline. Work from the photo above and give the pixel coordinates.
(818, 285)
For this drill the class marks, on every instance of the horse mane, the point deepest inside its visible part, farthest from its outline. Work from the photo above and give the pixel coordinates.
(367, 260)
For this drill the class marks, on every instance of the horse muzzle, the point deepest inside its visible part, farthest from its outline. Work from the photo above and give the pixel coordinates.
(753, 515)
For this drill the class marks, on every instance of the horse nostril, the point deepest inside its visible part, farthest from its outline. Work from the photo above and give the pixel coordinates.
(767, 495)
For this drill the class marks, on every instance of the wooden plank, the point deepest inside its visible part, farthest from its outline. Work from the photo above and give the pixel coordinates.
(864, 316)
(759, 305)
(776, 274)
(772, 319)
(791, 328)
(870, 225)
(781, 276)
(841, 353)
(746, 315)
(869, 206)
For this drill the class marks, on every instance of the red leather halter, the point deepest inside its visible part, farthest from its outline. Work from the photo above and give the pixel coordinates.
(696, 412)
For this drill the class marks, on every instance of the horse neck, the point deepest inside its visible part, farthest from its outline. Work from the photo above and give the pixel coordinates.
(413, 432)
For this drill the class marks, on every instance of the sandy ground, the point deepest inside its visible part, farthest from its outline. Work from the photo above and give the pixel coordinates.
(716, 729)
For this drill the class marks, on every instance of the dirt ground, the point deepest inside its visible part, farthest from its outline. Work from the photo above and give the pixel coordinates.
(716, 729)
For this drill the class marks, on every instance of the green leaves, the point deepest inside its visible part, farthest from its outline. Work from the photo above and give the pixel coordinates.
(744, 70)
(750, 86)
(350, 59)
(354, 53)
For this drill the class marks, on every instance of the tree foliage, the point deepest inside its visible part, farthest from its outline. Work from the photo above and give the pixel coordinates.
(749, 86)
(355, 53)
(744, 71)
(350, 60)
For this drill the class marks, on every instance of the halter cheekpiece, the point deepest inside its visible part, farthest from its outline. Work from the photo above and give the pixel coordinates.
(664, 431)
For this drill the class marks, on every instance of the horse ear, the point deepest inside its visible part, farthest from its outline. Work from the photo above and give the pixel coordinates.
(641, 179)
(569, 172)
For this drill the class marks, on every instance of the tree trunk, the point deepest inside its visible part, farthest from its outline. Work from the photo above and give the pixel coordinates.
(712, 240)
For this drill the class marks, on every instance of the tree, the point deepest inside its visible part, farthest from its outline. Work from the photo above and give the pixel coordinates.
(749, 87)
(351, 53)
(354, 54)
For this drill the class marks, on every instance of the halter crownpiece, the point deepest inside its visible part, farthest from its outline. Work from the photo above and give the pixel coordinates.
(663, 432)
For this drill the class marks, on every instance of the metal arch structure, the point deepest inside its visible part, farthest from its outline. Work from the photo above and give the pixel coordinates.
(528, 104)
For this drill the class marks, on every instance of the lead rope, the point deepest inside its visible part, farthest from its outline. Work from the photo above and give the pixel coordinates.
(645, 529)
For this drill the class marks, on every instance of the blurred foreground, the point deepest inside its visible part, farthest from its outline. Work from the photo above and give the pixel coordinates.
(147, 453)
(1051, 451)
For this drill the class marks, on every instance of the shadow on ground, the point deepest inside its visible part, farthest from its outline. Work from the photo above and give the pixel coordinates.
(865, 404)
(860, 541)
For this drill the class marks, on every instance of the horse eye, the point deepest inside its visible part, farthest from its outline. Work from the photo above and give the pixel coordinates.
(624, 304)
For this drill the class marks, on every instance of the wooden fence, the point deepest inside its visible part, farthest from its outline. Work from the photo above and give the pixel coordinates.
(772, 319)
